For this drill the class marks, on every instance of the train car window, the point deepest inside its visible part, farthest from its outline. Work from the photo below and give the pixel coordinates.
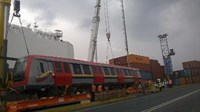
(125, 72)
(100, 70)
(112, 71)
(97, 70)
(58, 67)
(106, 70)
(66, 68)
(133, 72)
(94, 69)
(77, 69)
(121, 71)
(86, 69)
(117, 71)
(41, 67)
(130, 73)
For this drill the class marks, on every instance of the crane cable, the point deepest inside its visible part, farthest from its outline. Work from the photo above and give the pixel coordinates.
(108, 34)
(16, 14)
(24, 36)
(22, 32)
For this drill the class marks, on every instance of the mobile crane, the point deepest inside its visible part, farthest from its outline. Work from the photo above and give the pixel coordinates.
(15, 106)
(93, 41)
(4, 17)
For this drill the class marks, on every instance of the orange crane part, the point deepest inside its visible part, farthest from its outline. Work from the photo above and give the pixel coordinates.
(41, 103)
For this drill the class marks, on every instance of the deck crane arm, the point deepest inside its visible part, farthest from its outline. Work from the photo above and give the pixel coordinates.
(95, 27)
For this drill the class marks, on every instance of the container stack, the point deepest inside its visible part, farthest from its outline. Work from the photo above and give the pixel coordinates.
(178, 77)
(156, 69)
(192, 71)
(135, 61)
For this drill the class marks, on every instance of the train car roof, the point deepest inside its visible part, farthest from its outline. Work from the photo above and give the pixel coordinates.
(76, 61)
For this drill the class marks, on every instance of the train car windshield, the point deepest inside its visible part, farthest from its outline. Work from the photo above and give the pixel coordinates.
(19, 69)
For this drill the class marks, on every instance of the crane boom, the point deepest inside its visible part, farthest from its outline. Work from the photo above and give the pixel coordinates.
(124, 29)
(93, 40)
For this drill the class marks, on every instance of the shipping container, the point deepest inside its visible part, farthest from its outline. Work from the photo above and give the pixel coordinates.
(189, 80)
(182, 81)
(178, 73)
(138, 59)
(132, 58)
(112, 62)
(187, 72)
(176, 81)
(146, 75)
(156, 69)
(142, 67)
(191, 64)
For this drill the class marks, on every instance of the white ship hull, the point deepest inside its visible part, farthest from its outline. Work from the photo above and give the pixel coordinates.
(37, 45)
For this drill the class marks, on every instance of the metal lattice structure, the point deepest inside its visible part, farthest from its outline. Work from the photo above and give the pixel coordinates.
(166, 53)
(93, 41)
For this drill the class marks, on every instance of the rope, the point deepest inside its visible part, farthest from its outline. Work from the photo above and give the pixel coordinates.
(107, 24)
(109, 47)
(9, 26)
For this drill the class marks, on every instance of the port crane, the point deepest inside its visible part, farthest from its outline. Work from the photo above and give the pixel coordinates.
(166, 53)
(93, 41)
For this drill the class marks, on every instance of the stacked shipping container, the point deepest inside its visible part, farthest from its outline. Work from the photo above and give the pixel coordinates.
(124, 60)
(156, 69)
(178, 77)
(135, 61)
(146, 66)
(192, 71)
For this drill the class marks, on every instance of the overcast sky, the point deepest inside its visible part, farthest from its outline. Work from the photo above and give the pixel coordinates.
(145, 20)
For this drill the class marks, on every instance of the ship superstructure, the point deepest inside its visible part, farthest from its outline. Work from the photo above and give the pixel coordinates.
(38, 42)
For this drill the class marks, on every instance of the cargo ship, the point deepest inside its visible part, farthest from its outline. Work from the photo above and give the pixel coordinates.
(37, 42)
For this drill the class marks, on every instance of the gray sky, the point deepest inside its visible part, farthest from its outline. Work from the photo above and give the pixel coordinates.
(145, 20)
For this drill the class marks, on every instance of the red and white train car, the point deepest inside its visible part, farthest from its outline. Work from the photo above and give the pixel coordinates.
(38, 76)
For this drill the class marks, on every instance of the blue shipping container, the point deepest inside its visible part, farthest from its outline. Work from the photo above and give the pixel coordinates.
(146, 75)
(176, 81)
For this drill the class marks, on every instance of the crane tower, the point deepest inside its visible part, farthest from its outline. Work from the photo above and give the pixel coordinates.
(95, 27)
(166, 53)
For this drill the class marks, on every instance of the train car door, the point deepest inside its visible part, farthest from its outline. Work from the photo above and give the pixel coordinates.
(98, 75)
(62, 74)
(120, 76)
(43, 69)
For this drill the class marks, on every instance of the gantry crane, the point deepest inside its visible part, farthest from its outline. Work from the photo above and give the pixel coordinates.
(166, 53)
(93, 41)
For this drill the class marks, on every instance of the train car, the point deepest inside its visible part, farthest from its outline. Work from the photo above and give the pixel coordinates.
(36, 76)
